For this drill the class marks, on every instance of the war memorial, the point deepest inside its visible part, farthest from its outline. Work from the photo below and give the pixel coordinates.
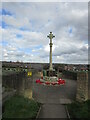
(52, 91)
(50, 77)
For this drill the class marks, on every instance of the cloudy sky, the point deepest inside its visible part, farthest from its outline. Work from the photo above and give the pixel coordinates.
(25, 26)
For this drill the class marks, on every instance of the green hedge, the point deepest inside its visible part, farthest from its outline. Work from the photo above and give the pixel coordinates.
(20, 107)
(70, 74)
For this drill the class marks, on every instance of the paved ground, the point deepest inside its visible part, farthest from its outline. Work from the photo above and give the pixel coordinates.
(52, 111)
(53, 98)
(54, 94)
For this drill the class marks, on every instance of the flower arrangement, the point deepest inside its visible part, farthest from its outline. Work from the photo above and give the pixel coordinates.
(59, 82)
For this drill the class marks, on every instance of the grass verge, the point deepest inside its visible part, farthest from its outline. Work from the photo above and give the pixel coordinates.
(79, 110)
(20, 107)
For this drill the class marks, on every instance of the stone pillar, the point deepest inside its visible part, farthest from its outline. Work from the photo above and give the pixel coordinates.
(50, 37)
(82, 87)
(51, 68)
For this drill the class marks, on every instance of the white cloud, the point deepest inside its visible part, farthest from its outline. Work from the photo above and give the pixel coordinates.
(16, 22)
(67, 21)
(45, 0)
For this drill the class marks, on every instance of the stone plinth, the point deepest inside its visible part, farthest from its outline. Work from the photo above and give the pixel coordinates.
(82, 86)
(51, 73)
(49, 79)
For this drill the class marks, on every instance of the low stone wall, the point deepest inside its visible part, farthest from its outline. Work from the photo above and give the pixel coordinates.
(14, 80)
(20, 81)
(69, 75)
(83, 92)
(89, 85)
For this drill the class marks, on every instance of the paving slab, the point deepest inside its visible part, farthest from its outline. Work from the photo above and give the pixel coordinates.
(65, 101)
(53, 111)
(54, 98)
(68, 91)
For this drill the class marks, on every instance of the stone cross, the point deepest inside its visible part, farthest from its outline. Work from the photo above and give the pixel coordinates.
(51, 36)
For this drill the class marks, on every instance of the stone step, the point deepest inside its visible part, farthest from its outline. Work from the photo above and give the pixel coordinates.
(65, 101)
(61, 101)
